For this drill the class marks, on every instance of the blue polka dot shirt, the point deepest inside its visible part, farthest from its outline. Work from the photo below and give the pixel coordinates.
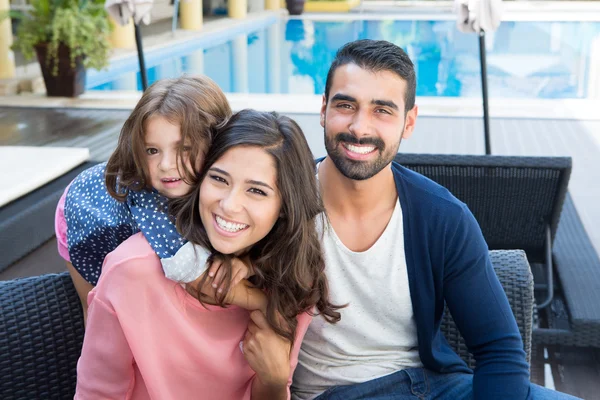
(98, 224)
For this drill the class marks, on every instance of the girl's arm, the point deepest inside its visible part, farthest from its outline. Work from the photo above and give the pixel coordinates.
(82, 287)
(245, 295)
(105, 368)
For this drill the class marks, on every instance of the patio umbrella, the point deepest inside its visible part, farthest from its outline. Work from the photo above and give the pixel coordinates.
(480, 16)
(139, 10)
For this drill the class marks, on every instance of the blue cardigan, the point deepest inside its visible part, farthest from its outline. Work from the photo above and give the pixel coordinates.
(448, 261)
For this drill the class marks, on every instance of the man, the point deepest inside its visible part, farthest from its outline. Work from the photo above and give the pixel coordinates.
(398, 246)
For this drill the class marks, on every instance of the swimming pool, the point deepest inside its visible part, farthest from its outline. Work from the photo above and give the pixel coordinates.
(547, 60)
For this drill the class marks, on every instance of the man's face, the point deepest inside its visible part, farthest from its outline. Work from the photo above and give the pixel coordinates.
(364, 120)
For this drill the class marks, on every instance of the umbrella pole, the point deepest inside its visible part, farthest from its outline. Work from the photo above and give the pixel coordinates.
(484, 90)
(140, 51)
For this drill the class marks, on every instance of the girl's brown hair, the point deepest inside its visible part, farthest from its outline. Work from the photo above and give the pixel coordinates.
(195, 103)
(288, 262)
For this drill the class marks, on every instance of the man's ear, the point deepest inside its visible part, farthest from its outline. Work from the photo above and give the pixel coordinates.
(323, 111)
(409, 122)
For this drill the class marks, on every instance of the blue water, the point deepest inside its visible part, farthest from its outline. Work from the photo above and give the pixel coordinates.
(525, 59)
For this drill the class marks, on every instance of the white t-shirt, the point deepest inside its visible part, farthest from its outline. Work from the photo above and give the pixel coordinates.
(377, 334)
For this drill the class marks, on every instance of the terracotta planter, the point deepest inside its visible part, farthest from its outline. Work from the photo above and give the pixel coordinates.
(70, 82)
(295, 7)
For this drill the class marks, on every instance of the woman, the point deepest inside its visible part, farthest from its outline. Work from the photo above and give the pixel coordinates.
(150, 338)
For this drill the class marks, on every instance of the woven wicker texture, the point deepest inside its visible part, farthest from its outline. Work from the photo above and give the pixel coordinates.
(512, 198)
(41, 334)
(513, 271)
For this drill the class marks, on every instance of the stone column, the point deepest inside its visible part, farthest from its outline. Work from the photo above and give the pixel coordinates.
(7, 57)
(272, 4)
(190, 14)
(237, 9)
(239, 63)
(274, 58)
(195, 62)
(122, 37)
(593, 86)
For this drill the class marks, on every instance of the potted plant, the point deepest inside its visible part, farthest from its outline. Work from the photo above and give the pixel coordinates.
(67, 36)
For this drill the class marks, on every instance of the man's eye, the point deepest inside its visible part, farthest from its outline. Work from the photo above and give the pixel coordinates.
(344, 105)
(383, 110)
(151, 151)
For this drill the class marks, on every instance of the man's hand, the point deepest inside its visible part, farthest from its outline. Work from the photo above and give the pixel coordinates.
(268, 354)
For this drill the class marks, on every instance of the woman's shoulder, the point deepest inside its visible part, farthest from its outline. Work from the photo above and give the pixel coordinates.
(304, 321)
(132, 277)
(134, 259)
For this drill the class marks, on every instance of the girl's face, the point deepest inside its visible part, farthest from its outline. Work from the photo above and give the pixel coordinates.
(239, 199)
(162, 141)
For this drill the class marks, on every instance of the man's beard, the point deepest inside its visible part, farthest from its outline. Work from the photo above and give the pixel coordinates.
(354, 169)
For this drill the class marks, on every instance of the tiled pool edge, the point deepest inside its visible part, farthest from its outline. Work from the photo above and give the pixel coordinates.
(153, 54)
(573, 109)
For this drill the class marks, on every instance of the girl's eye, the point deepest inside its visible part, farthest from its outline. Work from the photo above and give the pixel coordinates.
(187, 148)
(257, 191)
(151, 151)
(217, 178)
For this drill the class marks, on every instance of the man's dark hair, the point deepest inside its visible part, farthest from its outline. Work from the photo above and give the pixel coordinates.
(376, 56)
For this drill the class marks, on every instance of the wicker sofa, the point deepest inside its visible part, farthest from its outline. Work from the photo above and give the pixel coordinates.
(41, 328)
(523, 203)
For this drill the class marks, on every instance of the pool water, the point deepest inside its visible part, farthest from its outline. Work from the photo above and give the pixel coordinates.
(525, 59)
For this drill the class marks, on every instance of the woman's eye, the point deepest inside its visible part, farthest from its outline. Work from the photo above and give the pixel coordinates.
(217, 178)
(151, 151)
(187, 148)
(257, 191)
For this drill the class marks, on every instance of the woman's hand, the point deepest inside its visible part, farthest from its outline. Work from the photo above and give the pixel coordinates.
(268, 354)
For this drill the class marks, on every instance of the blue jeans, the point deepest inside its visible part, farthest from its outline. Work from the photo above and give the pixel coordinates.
(422, 384)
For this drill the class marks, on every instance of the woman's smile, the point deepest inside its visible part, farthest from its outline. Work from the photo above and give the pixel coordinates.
(228, 227)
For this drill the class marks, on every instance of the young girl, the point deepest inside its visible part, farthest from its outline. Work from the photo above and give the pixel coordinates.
(161, 146)
(149, 338)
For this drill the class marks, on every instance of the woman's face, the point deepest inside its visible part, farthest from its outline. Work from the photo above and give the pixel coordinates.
(239, 199)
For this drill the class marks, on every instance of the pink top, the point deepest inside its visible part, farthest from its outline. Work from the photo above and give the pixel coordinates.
(147, 338)
(60, 227)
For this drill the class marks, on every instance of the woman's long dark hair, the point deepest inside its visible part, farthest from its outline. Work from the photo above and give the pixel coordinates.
(288, 262)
